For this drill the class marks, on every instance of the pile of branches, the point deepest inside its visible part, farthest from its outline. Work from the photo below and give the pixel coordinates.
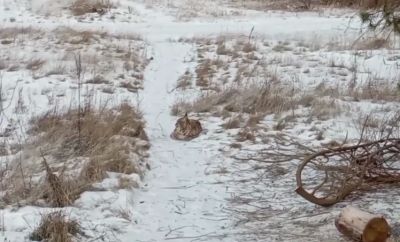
(386, 18)
(328, 176)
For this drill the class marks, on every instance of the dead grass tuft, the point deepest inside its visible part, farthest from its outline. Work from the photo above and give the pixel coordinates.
(185, 81)
(233, 122)
(373, 44)
(81, 7)
(80, 152)
(255, 98)
(246, 134)
(325, 108)
(35, 64)
(76, 37)
(249, 47)
(204, 73)
(11, 33)
(55, 227)
(375, 89)
(127, 183)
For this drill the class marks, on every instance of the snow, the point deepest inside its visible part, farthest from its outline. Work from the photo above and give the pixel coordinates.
(177, 187)
(187, 195)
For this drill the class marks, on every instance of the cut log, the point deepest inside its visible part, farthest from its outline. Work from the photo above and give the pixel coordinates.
(362, 226)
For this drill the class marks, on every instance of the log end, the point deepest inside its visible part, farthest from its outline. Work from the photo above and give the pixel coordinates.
(376, 230)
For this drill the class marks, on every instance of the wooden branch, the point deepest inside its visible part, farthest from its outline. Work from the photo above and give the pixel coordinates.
(350, 168)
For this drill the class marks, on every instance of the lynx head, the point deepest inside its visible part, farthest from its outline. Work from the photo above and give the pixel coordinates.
(183, 122)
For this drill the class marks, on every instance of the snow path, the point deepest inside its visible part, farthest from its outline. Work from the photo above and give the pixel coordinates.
(180, 200)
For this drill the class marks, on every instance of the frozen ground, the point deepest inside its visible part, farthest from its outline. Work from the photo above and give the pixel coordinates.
(194, 191)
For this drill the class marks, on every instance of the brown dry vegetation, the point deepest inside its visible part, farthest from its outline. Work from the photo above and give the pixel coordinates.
(75, 37)
(256, 90)
(295, 5)
(376, 90)
(56, 227)
(11, 33)
(80, 151)
(255, 98)
(81, 7)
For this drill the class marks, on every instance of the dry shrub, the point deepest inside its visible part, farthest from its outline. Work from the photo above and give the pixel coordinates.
(128, 85)
(13, 32)
(115, 158)
(98, 79)
(180, 107)
(282, 46)
(81, 7)
(222, 49)
(373, 44)
(185, 81)
(358, 3)
(31, 186)
(35, 64)
(75, 37)
(377, 90)
(251, 99)
(97, 128)
(375, 126)
(246, 134)
(249, 47)
(58, 191)
(282, 123)
(56, 227)
(80, 152)
(233, 122)
(127, 183)
(58, 69)
(204, 72)
(254, 120)
(325, 108)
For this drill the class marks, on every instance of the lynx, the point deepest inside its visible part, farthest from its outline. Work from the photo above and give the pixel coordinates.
(186, 129)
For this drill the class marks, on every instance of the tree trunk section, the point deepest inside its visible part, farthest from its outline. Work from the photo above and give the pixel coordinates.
(362, 226)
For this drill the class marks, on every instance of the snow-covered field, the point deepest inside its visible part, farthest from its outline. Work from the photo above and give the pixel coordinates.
(167, 57)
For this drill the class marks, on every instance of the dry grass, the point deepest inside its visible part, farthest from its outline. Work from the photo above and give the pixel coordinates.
(185, 81)
(249, 47)
(76, 37)
(35, 64)
(372, 44)
(81, 7)
(80, 152)
(204, 73)
(246, 134)
(11, 33)
(96, 128)
(307, 4)
(98, 80)
(325, 108)
(365, 4)
(132, 87)
(56, 227)
(282, 47)
(254, 120)
(58, 69)
(233, 122)
(255, 98)
(267, 4)
(376, 90)
(127, 183)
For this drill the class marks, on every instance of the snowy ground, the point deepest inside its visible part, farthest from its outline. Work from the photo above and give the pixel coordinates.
(194, 191)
